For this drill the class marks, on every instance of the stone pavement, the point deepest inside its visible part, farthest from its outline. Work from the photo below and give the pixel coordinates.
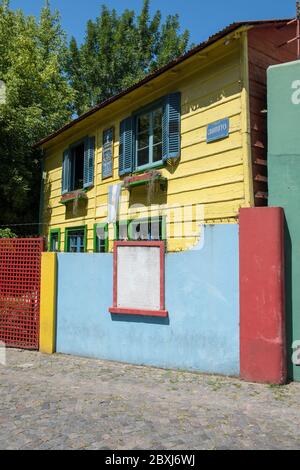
(63, 402)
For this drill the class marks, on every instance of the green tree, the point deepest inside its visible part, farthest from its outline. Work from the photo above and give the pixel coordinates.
(38, 101)
(7, 233)
(120, 50)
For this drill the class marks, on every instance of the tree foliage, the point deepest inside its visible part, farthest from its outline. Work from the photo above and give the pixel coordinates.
(47, 82)
(38, 101)
(7, 233)
(119, 51)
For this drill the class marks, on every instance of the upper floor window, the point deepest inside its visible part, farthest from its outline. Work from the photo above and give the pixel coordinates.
(78, 166)
(149, 138)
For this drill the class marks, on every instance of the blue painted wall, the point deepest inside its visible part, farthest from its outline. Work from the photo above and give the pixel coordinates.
(202, 297)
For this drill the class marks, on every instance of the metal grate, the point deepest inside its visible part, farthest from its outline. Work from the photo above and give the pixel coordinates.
(20, 278)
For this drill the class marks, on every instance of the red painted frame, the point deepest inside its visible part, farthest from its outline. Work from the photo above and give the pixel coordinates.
(115, 310)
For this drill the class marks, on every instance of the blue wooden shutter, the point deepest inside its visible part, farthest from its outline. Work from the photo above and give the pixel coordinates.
(89, 162)
(171, 126)
(66, 171)
(107, 153)
(126, 147)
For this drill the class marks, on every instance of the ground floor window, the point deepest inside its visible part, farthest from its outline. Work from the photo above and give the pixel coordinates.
(148, 229)
(54, 244)
(101, 238)
(75, 240)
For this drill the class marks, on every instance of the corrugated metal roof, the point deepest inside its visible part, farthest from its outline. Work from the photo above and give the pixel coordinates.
(156, 73)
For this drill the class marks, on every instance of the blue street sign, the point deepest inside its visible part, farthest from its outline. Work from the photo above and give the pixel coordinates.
(217, 130)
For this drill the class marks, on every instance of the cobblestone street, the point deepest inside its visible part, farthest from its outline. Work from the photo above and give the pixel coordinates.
(62, 402)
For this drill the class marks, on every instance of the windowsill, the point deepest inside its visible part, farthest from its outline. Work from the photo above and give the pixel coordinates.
(73, 195)
(149, 167)
(144, 313)
(143, 179)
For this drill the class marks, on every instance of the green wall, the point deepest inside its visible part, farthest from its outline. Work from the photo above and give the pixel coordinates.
(284, 182)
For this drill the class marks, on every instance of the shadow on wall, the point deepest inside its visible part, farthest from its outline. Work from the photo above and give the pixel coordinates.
(47, 212)
(210, 99)
(76, 209)
(138, 319)
(288, 299)
(146, 196)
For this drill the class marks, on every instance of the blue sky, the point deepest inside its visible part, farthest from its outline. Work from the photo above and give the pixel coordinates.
(202, 17)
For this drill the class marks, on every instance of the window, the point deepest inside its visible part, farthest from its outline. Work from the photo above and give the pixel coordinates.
(54, 241)
(149, 138)
(101, 238)
(147, 229)
(150, 229)
(75, 240)
(78, 166)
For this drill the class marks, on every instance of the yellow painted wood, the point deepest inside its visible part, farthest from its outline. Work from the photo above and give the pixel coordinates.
(48, 303)
(217, 176)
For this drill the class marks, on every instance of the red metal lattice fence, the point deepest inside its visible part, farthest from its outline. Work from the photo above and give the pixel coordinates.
(20, 279)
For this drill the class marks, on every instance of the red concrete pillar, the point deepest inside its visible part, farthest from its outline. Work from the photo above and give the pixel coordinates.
(262, 306)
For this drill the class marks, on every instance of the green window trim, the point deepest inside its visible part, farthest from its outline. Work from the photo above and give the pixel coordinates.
(105, 227)
(68, 230)
(52, 232)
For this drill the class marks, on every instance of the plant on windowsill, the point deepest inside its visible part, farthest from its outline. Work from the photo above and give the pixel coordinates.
(73, 196)
(148, 178)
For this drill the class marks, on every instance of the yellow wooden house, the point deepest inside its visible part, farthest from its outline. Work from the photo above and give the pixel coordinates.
(183, 147)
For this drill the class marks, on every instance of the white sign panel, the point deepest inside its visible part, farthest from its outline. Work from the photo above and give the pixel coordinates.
(138, 277)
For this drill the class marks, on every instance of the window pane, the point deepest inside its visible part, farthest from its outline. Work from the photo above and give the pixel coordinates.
(157, 119)
(144, 123)
(157, 153)
(73, 244)
(140, 231)
(54, 242)
(143, 157)
(157, 135)
(143, 141)
(76, 242)
(78, 165)
(100, 245)
(123, 232)
(155, 230)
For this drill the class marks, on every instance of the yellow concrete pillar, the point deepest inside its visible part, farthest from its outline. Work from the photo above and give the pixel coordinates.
(48, 303)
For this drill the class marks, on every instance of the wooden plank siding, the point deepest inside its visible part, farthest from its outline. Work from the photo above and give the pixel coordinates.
(208, 174)
(228, 81)
(264, 51)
